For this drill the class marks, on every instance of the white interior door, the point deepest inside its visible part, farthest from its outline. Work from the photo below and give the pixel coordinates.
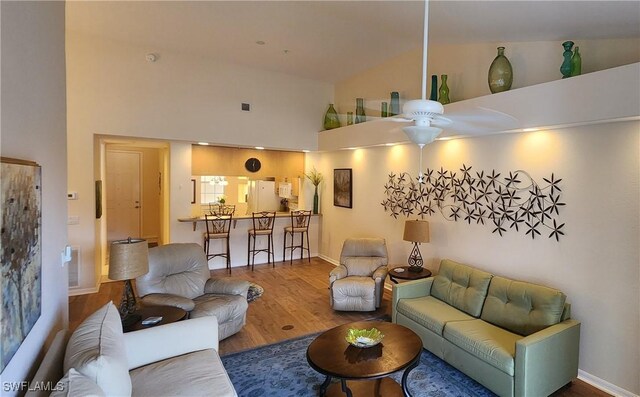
(123, 194)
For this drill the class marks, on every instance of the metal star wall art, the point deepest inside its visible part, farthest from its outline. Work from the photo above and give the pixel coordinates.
(505, 201)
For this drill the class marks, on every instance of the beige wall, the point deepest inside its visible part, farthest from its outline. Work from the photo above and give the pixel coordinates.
(595, 263)
(34, 128)
(467, 66)
(182, 98)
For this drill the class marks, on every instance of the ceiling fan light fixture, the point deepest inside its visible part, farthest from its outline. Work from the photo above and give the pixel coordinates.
(422, 135)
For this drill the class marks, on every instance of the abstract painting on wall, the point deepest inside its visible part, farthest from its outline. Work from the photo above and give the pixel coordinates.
(21, 238)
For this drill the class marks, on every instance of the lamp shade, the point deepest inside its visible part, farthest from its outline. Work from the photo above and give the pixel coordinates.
(416, 231)
(128, 259)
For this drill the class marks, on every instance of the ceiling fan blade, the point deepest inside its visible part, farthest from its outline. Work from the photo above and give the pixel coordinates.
(476, 121)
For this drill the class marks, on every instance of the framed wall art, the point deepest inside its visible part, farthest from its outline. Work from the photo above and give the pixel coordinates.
(21, 251)
(342, 188)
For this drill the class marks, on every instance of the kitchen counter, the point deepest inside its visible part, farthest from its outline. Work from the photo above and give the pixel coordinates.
(237, 218)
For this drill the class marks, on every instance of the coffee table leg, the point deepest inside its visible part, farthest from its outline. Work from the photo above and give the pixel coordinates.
(324, 385)
(405, 389)
(345, 389)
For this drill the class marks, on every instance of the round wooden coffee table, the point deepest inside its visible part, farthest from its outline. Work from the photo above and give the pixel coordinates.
(331, 355)
(406, 274)
(169, 315)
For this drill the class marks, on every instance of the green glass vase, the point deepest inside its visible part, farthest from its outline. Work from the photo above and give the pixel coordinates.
(434, 88)
(360, 116)
(565, 68)
(444, 91)
(315, 201)
(576, 63)
(500, 73)
(331, 120)
(384, 112)
(394, 107)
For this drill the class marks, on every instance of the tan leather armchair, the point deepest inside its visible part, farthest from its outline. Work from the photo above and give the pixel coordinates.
(179, 276)
(356, 285)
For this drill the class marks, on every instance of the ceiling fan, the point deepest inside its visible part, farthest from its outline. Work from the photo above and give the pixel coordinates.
(427, 117)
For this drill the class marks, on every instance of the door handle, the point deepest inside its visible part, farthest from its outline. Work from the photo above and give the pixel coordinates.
(137, 206)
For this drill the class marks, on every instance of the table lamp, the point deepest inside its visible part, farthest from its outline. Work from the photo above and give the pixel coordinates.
(128, 259)
(417, 232)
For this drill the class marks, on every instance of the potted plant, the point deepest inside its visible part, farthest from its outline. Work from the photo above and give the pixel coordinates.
(316, 178)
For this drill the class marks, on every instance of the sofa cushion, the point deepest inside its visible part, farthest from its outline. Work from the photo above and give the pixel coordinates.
(363, 265)
(521, 307)
(461, 286)
(96, 350)
(491, 344)
(224, 307)
(354, 293)
(195, 374)
(74, 384)
(430, 312)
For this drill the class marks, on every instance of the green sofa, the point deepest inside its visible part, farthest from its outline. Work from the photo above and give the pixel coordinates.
(514, 337)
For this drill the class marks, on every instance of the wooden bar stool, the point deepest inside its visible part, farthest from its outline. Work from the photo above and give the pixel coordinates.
(218, 228)
(262, 226)
(299, 224)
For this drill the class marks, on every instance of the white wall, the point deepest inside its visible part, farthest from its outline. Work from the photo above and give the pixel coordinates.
(596, 263)
(113, 90)
(34, 128)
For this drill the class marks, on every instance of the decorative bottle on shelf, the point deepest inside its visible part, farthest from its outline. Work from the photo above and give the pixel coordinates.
(331, 120)
(444, 91)
(360, 116)
(349, 118)
(576, 63)
(434, 88)
(394, 108)
(383, 110)
(500, 73)
(565, 68)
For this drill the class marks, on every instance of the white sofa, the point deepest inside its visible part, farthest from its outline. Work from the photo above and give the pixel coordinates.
(178, 359)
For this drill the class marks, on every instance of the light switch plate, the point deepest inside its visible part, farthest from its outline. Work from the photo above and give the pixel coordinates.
(73, 220)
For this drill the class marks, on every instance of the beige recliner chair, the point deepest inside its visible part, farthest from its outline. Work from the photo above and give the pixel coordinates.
(179, 276)
(356, 285)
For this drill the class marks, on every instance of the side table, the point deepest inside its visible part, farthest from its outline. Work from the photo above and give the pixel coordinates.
(405, 274)
(169, 315)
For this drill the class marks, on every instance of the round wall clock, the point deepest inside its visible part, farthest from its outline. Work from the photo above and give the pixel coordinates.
(252, 164)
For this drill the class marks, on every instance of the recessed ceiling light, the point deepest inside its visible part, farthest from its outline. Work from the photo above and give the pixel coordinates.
(530, 129)
(352, 148)
(389, 144)
(203, 143)
(306, 151)
(259, 147)
(260, 42)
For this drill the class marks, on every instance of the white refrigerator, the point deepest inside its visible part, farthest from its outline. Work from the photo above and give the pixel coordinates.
(262, 197)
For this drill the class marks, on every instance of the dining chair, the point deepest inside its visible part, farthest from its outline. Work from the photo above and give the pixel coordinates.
(299, 225)
(218, 228)
(262, 226)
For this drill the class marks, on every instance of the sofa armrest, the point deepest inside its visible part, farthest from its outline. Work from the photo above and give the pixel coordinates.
(169, 300)
(547, 359)
(380, 273)
(409, 289)
(162, 342)
(227, 286)
(337, 273)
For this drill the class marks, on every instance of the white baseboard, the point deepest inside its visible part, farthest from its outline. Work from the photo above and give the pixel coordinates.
(604, 385)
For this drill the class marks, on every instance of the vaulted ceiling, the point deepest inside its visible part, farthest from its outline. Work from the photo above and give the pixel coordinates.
(333, 40)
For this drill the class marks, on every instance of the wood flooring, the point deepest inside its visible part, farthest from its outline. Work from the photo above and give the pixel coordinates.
(295, 303)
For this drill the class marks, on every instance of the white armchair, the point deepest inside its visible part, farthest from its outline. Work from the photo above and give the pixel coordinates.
(179, 276)
(357, 284)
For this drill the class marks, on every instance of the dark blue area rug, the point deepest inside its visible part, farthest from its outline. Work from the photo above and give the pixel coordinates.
(281, 369)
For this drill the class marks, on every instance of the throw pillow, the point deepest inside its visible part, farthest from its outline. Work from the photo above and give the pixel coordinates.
(74, 384)
(96, 349)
